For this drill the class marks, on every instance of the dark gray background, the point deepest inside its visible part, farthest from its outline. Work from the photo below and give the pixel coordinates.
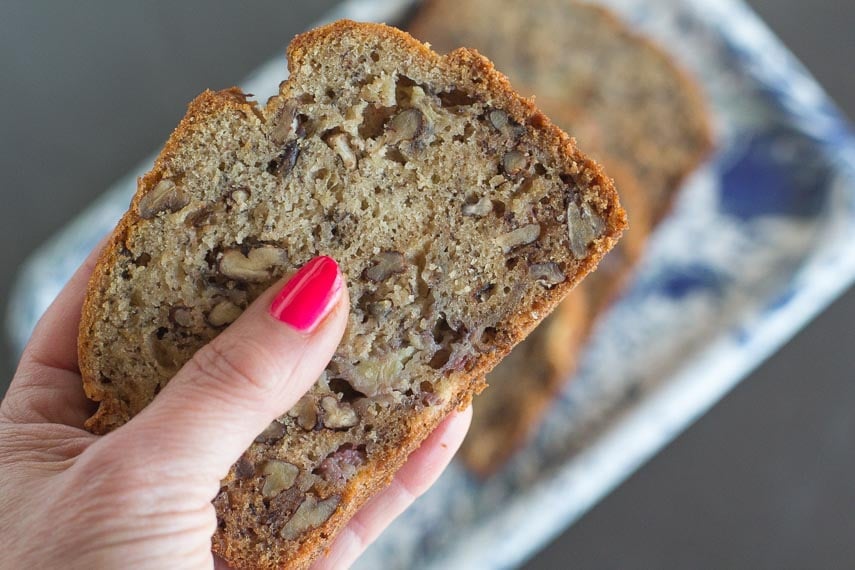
(765, 480)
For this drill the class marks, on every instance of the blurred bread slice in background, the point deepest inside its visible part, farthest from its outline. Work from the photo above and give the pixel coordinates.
(630, 105)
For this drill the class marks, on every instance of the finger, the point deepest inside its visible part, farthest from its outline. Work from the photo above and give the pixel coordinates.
(417, 475)
(47, 385)
(253, 372)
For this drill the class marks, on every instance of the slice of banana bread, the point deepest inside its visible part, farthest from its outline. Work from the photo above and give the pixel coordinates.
(592, 75)
(632, 109)
(522, 386)
(459, 214)
(613, 272)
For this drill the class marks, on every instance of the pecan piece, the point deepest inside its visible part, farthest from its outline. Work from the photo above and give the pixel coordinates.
(305, 411)
(338, 142)
(244, 468)
(519, 237)
(181, 316)
(513, 162)
(547, 274)
(338, 415)
(479, 209)
(405, 126)
(256, 266)
(503, 123)
(379, 309)
(238, 197)
(165, 196)
(284, 163)
(311, 513)
(286, 123)
(385, 264)
(341, 465)
(224, 313)
(272, 432)
(281, 475)
(584, 226)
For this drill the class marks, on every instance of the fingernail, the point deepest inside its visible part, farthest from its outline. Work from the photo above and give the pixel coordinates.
(309, 295)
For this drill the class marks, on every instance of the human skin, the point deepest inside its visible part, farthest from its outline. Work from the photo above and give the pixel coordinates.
(140, 496)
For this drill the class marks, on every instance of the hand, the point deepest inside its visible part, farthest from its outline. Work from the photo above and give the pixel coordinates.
(140, 496)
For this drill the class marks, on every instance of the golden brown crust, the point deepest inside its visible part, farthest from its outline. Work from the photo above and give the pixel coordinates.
(524, 384)
(606, 284)
(205, 104)
(469, 66)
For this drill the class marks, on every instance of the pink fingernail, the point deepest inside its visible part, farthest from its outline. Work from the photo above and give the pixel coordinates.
(309, 295)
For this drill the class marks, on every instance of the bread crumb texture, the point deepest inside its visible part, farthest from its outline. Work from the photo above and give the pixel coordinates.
(459, 215)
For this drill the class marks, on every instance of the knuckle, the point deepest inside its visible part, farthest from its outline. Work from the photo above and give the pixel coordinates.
(235, 363)
(407, 490)
(22, 403)
(360, 535)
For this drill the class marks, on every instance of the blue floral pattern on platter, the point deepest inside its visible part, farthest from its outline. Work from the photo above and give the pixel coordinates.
(761, 239)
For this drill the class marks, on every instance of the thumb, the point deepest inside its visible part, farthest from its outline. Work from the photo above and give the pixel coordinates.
(253, 372)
